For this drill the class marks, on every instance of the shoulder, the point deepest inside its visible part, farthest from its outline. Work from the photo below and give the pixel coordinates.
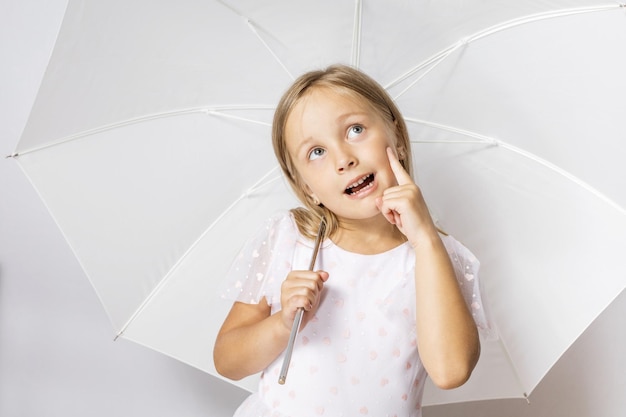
(457, 249)
(281, 222)
(278, 229)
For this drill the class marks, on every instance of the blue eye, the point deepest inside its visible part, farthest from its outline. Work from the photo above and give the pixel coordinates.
(316, 153)
(355, 131)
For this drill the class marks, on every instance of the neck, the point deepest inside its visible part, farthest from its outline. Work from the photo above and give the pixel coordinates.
(367, 237)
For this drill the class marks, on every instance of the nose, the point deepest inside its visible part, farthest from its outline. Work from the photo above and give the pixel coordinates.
(345, 160)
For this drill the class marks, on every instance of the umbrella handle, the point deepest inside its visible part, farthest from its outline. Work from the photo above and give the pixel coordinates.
(298, 319)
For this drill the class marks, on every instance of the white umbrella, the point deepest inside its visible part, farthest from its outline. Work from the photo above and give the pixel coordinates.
(149, 144)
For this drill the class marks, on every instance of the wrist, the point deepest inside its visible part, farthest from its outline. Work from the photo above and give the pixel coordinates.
(425, 238)
(280, 330)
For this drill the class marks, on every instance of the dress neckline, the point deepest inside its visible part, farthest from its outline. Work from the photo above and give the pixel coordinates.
(328, 243)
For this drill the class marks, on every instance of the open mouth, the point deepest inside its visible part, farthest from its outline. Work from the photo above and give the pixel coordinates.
(362, 184)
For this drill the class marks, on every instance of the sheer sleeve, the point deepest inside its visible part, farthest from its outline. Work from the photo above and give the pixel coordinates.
(399, 304)
(263, 262)
(466, 267)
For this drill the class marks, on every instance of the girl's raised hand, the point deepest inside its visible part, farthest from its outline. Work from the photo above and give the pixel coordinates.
(404, 205)
(301, 289)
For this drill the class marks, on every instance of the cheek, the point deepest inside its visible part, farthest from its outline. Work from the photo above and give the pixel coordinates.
(392, 142)
(303, 182)
(313, 177)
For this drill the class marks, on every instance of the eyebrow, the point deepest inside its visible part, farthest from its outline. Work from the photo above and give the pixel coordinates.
(304, 144)
(343, 117)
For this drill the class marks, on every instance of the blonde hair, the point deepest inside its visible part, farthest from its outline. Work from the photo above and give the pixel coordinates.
(345, 80)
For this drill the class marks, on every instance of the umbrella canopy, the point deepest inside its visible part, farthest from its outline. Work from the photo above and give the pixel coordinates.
(149, 144)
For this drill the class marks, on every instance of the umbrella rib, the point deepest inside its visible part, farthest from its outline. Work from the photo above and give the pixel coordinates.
(262, 182)
(515, 371)
(496, 142)
(231, 116)
(480, 138)
(445, 53)
(564, 173)
(216, 111)
(433, 60)
(537, 17)
(430, 63)
(356, 34)
(253, 27)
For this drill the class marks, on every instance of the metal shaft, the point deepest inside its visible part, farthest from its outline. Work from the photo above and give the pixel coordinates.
(298, 319)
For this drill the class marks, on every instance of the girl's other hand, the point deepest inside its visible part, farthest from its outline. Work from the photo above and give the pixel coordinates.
(301, 289)
(404, 205)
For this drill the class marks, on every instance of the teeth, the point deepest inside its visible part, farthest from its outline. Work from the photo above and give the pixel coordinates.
(359, 182)
(368, 186)
(351, 187)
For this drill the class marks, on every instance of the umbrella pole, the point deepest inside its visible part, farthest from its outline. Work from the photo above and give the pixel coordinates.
(298, 319)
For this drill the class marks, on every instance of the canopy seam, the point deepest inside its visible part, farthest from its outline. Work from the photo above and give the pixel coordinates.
(262, 182)
(216, 111)
(482, 139)
(437, 58)
(253, 27)
(356, 34)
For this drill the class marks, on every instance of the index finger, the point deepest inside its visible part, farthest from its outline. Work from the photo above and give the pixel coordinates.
(398, 170)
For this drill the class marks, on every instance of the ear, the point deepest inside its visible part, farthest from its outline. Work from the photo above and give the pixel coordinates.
(309, 192)
(396, 145)
(401, 151)
(312, 196)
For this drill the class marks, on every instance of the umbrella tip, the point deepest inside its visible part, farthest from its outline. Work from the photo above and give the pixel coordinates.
(14, 155)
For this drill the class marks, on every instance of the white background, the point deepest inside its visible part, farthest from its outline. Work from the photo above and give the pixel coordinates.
(57, 356)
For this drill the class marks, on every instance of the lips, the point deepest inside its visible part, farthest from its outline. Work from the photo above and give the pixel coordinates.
(360, 184)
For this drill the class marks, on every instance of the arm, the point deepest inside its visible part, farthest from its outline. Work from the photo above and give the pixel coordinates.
(249, 340)
(447, 336)
(251, 337)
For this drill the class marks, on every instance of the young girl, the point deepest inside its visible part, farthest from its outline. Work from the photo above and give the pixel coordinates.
(390, 301)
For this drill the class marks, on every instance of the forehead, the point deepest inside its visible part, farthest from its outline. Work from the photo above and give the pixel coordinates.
(318, 114)
(319, 98)
(327, 104)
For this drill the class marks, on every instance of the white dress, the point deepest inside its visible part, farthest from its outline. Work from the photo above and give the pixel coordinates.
(358, 355)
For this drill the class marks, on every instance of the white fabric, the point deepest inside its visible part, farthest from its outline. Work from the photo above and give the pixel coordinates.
(152, 153)
(358, 355)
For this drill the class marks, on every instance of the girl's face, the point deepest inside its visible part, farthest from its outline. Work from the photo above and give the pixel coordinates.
(338, 147)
